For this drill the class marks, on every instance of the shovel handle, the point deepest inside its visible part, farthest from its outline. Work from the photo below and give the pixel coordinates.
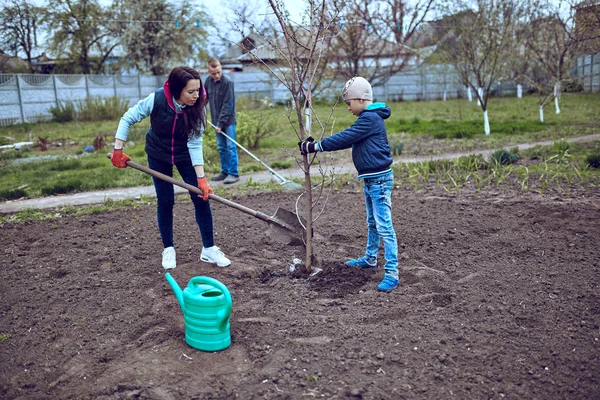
(197, 190)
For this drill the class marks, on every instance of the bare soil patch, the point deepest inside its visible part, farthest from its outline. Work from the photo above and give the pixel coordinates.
(499, 298)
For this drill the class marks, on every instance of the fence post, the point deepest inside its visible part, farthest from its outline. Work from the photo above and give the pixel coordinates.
(115, 84)
(139, 87)
(87, 86)
(20, 98)
(55, 89)
(592, 73)
(385, 91)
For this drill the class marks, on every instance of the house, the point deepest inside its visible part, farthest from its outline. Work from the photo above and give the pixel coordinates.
(12, 65)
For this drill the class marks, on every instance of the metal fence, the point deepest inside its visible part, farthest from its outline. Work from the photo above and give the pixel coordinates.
(28, 98)
(588, 72)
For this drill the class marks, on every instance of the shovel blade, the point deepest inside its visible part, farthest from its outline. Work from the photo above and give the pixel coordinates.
(285, 226)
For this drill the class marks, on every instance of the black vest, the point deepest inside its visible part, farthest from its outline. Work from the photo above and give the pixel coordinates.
(162, 141)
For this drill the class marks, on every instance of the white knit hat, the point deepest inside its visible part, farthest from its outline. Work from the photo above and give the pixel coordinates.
(357, 88)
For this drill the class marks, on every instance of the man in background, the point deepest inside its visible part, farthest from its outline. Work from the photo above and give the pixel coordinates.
(221, 98)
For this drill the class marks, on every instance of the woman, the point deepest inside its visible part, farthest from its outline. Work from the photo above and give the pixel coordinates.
(177, 123)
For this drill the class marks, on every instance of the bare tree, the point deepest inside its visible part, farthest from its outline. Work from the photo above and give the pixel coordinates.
(374, 37)
(479, 41)
(19, 23)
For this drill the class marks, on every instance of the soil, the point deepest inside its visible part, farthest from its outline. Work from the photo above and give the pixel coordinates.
(499, 298)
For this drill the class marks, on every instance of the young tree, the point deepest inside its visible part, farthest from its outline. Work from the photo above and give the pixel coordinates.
(479, 41)
(300, 47)
(19, 23)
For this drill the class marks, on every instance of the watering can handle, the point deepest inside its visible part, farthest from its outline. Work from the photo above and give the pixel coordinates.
(223, 315)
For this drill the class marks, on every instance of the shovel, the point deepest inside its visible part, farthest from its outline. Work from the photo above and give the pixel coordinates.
(283, 226)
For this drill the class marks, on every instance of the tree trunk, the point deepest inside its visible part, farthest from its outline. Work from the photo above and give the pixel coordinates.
(486, 123)
(519, 91)
(542, 113)
(469, 94)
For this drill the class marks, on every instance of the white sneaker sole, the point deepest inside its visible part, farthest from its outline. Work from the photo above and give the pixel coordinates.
(206, 260)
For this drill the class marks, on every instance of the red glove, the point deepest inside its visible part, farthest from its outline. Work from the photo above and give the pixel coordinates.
(203, 185)
(119, 159)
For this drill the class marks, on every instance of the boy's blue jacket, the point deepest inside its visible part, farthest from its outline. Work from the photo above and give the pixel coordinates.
(371, 153)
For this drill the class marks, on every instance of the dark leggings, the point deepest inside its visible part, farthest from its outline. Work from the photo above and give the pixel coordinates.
(165, 195)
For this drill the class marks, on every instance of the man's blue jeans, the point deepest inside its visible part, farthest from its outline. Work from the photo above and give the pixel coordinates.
(378, 199)
(228, 151)
(165, 196)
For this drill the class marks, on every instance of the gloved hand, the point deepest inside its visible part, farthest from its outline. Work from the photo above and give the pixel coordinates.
(119, 159)
(307, 146)
(203, 185)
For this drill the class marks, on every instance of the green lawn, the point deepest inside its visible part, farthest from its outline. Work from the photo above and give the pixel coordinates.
(423, 128)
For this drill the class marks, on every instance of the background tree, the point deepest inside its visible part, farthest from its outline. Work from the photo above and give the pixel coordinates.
(19, 23)
(551, 44)
(81, 32)
(374, 37)
(479, 40)
(159, 34)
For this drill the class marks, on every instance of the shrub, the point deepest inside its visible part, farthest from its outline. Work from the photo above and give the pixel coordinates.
(504, 157)
(12, 194)
(254, 126)
(63, 112)
(593, 159)
(101, 108)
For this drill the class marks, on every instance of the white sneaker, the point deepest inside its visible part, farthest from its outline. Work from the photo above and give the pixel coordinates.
(168, 261)
(214, 255)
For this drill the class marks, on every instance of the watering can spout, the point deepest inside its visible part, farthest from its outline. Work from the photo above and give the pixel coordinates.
(176, 289)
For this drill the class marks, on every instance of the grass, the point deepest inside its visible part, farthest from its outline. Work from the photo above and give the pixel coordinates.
(560, 167)
(412, 129)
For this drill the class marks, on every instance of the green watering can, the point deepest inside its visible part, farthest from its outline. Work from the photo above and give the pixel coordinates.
(206, 306)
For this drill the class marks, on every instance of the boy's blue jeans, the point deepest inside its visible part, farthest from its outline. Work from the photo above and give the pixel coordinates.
(228, 151)
(378, 199)
(165, 196)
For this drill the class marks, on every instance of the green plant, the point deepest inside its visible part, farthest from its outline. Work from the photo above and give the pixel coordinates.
(63, 111)
(4, 337)
(561, 151)
(396, 147)
(504, 157)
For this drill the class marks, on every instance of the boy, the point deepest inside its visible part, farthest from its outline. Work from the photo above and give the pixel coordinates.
(372, 158)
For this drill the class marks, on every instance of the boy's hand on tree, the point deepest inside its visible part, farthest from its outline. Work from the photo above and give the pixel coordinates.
(307, 146)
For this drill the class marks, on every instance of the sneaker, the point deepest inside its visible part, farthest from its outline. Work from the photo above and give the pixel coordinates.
(231, 179)
(361, 263)
(168, 255)
(389, 283)
(220, 177)
(214, 255)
